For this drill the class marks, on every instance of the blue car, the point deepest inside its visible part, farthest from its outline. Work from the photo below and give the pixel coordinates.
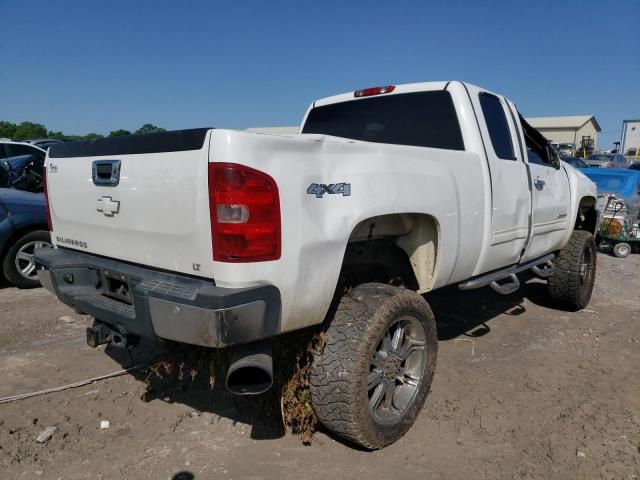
(23, 228)
(574, 162)
(619, 205)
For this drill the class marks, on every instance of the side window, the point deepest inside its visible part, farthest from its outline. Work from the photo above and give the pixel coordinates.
(497, 125)
(538, 149)
(533, 156)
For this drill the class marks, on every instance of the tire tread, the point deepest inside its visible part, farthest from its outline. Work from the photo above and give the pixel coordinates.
(335, 390)
(564, 285)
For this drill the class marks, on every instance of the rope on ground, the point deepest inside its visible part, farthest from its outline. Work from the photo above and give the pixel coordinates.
(81, 383)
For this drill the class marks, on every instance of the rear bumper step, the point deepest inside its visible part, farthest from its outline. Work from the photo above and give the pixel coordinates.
(155, 304)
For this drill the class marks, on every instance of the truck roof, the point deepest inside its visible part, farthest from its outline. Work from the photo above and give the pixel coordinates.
(400, 88)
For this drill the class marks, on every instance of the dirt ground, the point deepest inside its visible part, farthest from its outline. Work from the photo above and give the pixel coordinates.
(521, 391)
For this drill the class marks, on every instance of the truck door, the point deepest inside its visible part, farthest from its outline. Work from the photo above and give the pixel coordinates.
(510, 195)
(550, 195)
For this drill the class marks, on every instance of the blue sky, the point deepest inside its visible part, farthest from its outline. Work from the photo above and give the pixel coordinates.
(83, 66)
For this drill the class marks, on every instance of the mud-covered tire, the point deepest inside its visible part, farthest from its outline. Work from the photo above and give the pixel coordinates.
(341, 372)
(23, 247)
(621, 250)
(571, 284)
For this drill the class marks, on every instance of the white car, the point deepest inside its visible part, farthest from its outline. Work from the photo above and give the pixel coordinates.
(606, 160)
(9, 148)
(227, 239)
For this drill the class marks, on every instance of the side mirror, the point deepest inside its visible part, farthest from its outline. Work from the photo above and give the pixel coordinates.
(554, 159)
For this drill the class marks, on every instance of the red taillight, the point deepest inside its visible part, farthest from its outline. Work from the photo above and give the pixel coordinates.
(367, 92)
(47, 209)
(245, 214)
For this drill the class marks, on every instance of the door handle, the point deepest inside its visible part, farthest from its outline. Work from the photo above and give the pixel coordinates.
(539, 183)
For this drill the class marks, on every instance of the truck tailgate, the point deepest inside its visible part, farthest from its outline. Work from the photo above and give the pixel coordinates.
(141, 199)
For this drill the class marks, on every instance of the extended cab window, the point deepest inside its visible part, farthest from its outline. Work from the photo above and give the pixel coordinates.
(497, 125)
(422, 119)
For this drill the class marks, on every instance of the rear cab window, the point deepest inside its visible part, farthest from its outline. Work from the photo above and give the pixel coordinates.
(422, 119)
(497, 125)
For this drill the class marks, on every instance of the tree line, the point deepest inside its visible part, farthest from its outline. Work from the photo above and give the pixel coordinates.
(30, 130)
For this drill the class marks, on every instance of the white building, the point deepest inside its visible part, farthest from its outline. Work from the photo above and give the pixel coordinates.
(630, 135)
(567, 129)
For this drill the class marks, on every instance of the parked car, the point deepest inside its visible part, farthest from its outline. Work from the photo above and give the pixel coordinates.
(23, 222)
(227, 239)
(574, 162)
(9, 148)
(619, 204)
(635, 166)
(567, 149)
(606, 160)
(23, 228)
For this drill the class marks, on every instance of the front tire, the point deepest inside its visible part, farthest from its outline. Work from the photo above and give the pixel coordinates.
(18, 266)
(572, 282)
(372, 378)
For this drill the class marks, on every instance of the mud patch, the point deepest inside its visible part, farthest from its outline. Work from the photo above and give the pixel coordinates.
(297, 409)
(288, 402)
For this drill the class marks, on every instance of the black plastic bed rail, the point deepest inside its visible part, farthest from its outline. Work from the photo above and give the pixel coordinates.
(174, 141)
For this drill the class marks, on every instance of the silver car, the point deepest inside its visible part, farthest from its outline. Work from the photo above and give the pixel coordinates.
(566, 149)
(606, 160)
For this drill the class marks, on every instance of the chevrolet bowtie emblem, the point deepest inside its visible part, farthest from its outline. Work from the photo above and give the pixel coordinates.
(108, 206)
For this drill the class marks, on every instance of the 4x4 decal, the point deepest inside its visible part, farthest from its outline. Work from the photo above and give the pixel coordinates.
(319, 189)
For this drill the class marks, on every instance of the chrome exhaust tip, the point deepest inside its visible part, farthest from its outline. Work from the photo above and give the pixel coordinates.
(251, 370)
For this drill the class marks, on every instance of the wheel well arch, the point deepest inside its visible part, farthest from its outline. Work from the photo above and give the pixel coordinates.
(399, 248)
(19, 232)
(587, 215)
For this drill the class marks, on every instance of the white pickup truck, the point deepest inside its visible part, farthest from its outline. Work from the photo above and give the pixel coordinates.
(227, 239)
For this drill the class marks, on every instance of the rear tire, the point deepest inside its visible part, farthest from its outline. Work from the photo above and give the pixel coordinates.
(571, 284)
(371, 380)
(17, 264)
(621, 250)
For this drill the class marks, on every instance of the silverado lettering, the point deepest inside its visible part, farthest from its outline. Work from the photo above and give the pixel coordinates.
(71, 241)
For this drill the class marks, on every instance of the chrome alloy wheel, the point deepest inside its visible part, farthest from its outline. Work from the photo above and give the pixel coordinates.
(587, 268)
(24, 259)
(396, 370)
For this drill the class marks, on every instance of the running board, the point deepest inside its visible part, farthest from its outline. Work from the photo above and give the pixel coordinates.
(542, 267)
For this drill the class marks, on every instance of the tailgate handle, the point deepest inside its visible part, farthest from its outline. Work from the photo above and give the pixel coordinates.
(106, 172)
